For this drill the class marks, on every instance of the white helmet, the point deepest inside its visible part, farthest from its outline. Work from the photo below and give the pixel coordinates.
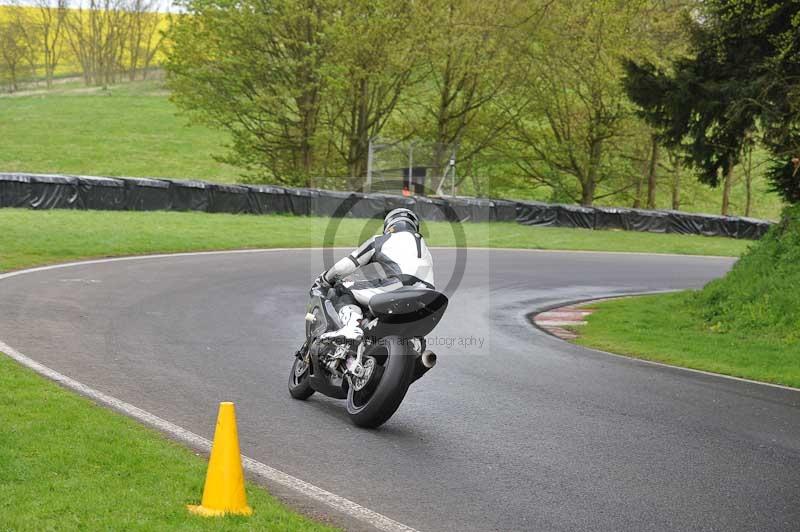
(401, 219)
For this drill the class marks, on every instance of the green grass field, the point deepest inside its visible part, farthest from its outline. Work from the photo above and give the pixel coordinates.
(68, 464)
(128, 130)
(29, 238)
(662, 328)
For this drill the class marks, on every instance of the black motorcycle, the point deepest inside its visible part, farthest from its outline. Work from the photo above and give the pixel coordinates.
(374, 374)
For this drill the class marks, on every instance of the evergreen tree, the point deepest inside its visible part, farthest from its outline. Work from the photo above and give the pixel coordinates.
(743, 77)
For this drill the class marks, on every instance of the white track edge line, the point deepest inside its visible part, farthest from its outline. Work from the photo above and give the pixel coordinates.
(60, 265)
(588, 252)
(644, 360)
(255, 467)
(336, 502)
(14, 273)
(691, 370)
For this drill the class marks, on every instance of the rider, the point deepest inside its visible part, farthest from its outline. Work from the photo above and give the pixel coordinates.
(402, 255)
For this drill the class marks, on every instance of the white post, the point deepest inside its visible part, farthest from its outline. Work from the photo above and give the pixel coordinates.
(410, 165)
(453, 171)
(368, 187)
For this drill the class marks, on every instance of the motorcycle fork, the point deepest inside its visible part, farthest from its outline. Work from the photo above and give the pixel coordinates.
(303, 353)
(354, 366)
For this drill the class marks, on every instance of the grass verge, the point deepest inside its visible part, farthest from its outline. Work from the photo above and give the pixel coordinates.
(667, 328)
(30, 238)
(745, 324)
(68, 464)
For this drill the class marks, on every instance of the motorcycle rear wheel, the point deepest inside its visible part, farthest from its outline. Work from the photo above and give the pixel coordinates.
(378, 401)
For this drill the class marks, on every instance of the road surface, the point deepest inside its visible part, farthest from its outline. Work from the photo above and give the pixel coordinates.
(513, 430)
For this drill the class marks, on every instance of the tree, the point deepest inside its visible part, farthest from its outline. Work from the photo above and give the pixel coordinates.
(785, 178)
(668, 38)
(742, 78)
(301, 85)
(468, 63)
(372, 62)
(255, 69)
(675, 186)
(97, 34)
(680, 109)
(575, 108)
(50, 30)
(17, 47)
(652, 167)
(144, 39)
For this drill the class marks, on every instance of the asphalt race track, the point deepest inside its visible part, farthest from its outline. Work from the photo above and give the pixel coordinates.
(513, 430)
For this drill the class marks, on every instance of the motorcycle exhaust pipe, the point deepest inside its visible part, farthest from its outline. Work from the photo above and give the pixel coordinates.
(425, 362)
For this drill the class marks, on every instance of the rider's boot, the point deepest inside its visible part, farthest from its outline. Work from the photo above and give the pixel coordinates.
(350, 316)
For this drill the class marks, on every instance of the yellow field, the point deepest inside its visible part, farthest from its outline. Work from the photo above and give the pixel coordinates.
(68, 64)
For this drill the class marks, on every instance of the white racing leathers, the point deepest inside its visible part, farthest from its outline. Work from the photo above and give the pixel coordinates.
(381, 264)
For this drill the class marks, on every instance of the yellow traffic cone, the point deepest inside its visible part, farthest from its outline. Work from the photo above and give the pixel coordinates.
(224, 490)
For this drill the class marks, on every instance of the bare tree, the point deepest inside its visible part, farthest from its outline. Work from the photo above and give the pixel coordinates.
(747, 165)
(676, 180)
(652, 167)
(144, 39)
(97, 35)
(17, 47)
(50, 34)
(727, 186)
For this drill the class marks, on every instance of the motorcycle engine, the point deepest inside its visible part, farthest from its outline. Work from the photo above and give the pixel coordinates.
(334, 355)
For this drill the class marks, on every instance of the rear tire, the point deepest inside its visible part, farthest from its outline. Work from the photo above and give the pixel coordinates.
(387, 394)
(299, 387)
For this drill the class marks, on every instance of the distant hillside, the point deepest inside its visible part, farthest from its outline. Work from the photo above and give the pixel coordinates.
(69, 64)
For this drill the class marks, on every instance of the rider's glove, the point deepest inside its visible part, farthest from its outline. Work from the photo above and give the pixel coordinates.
(322, 282)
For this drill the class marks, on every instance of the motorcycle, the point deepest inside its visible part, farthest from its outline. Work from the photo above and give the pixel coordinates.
(373, 374)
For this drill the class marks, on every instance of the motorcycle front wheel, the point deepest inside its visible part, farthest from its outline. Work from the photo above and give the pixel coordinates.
(299, 387)
(380, 397)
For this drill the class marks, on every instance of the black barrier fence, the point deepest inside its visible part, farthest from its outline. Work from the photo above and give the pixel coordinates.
(38, 191)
